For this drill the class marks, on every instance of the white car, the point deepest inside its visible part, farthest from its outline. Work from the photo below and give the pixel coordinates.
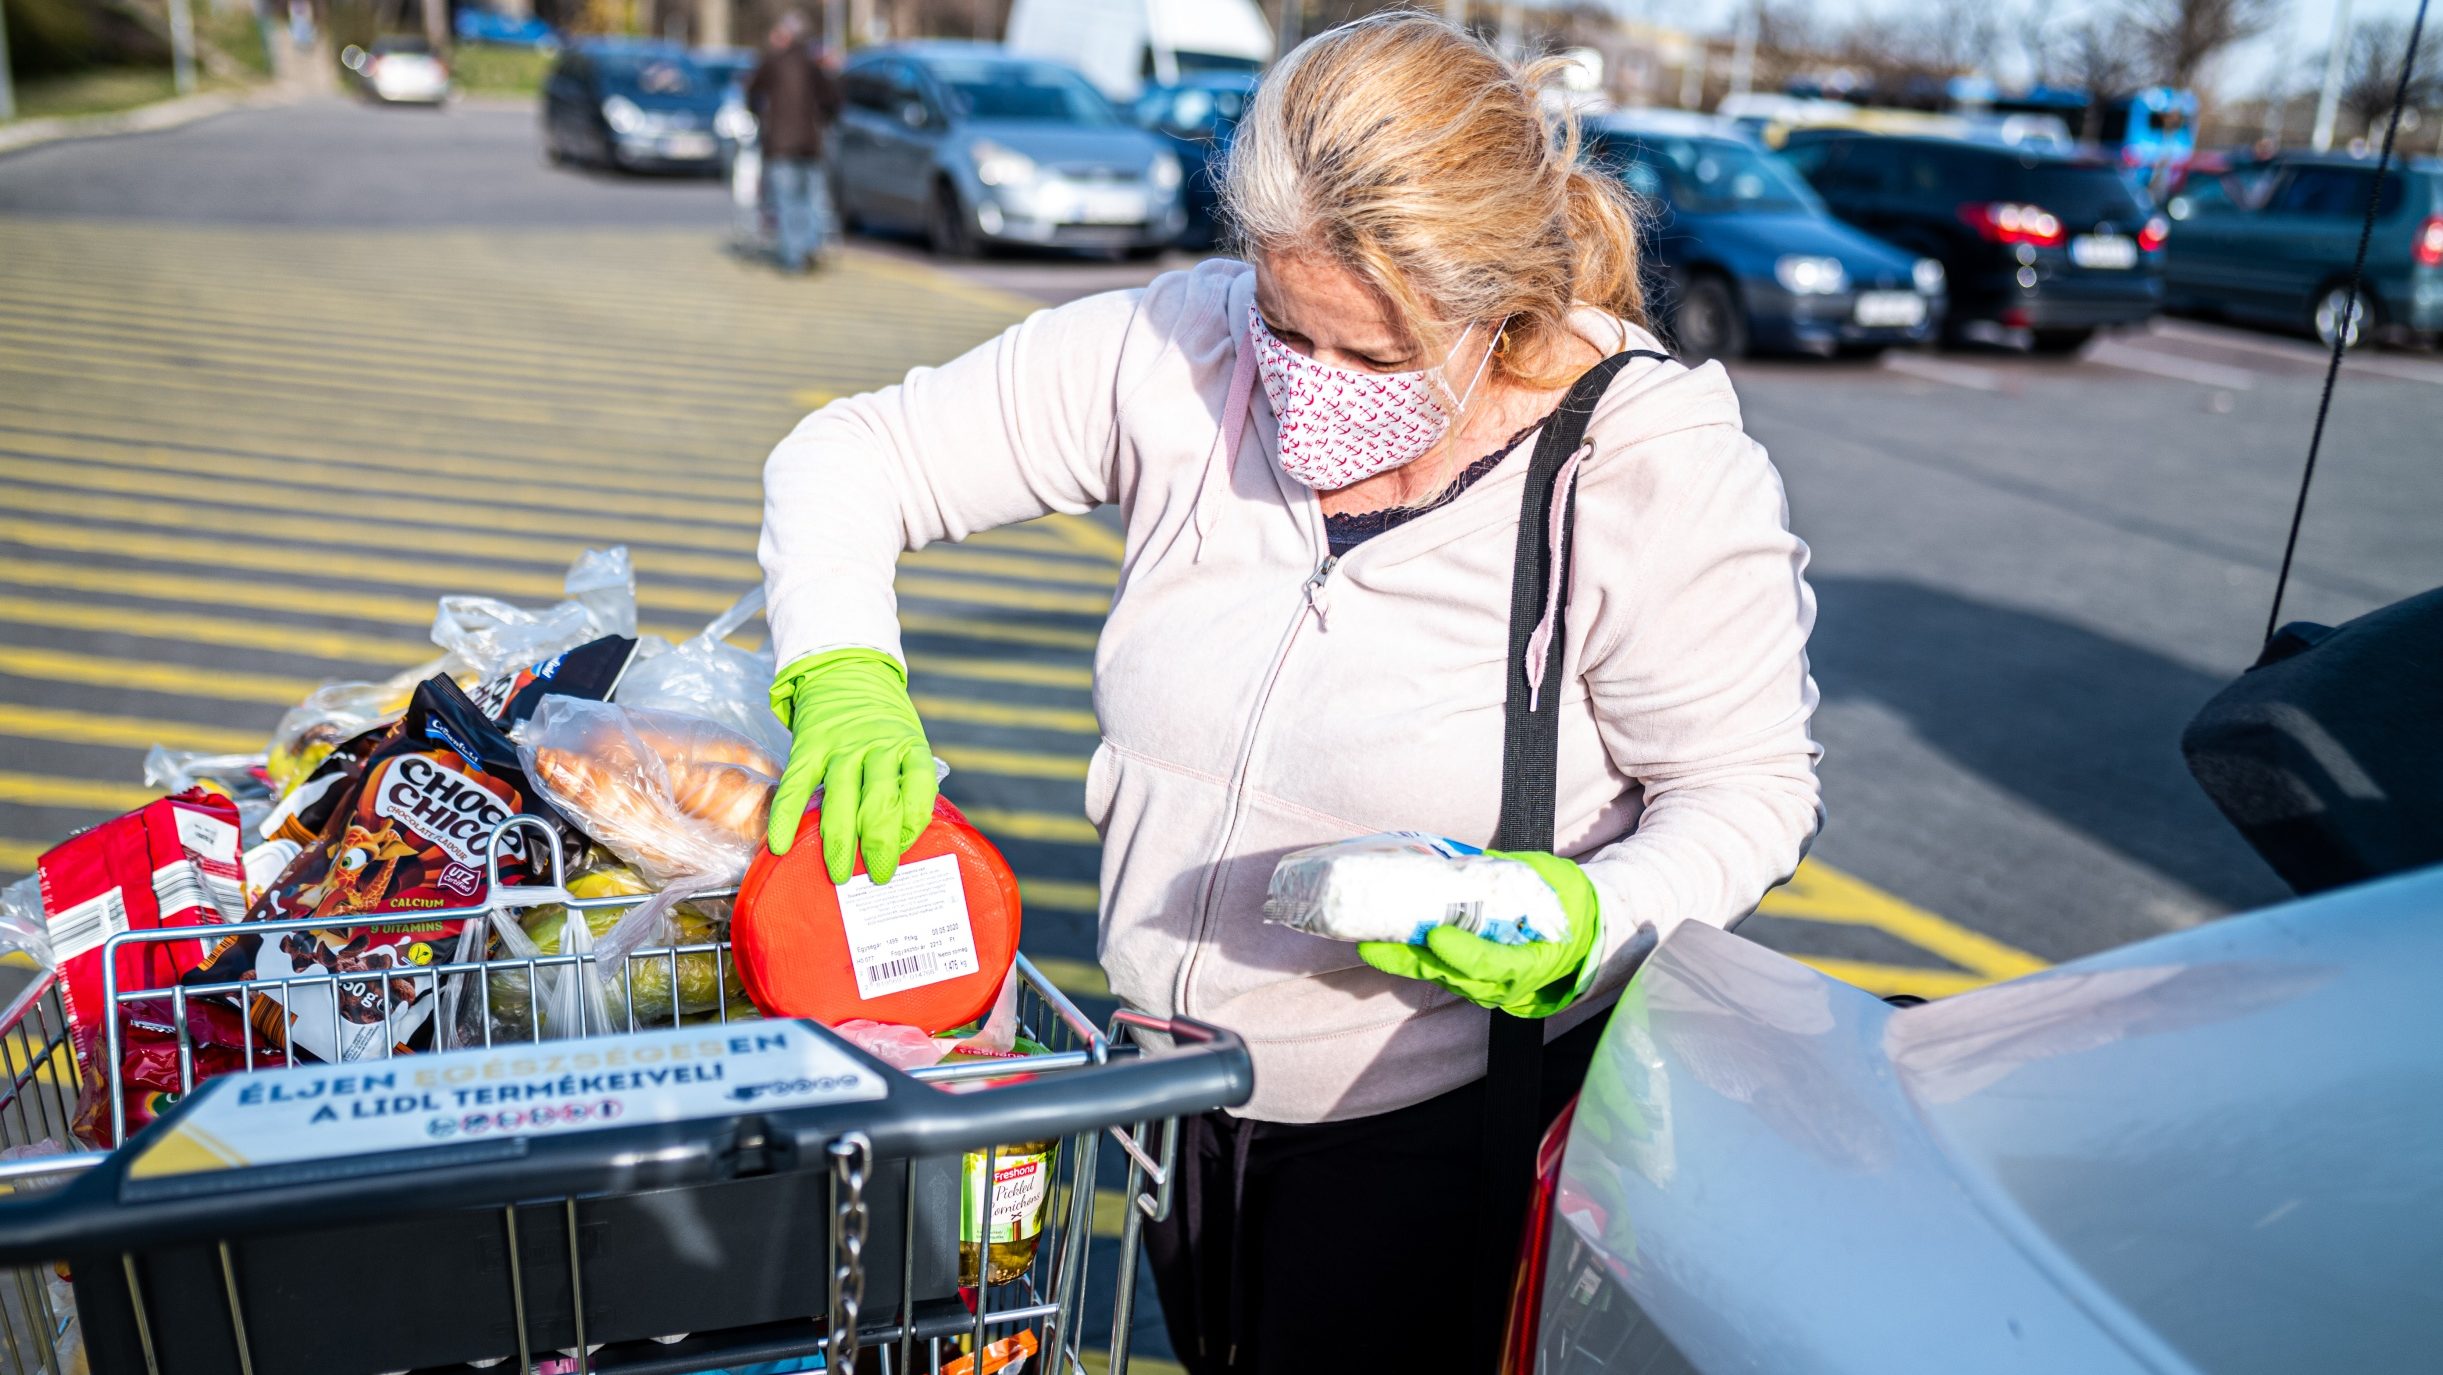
(399, 71)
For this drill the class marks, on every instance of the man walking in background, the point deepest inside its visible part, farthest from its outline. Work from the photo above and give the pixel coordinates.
(795, 101)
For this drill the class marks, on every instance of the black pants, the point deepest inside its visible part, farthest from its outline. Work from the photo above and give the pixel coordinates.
(1338, 1246)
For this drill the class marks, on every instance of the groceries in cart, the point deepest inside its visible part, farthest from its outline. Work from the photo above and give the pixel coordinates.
(1373, 887)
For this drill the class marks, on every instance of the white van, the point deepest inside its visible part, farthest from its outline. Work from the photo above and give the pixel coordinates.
(1125, 45)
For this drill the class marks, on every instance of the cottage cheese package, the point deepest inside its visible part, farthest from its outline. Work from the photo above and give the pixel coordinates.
(1399, 885)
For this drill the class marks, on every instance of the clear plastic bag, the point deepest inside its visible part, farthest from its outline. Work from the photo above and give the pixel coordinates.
(24, 929)
(483, 638)
(335, 713)
(711, 678)
(233, 776)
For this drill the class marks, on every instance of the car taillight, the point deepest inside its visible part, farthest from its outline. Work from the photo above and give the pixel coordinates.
(2429, 250)
(2013, 222)
(2156, 231)
(1527, 1286)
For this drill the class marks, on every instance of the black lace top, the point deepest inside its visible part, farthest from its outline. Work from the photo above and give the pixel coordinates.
(1350, 529)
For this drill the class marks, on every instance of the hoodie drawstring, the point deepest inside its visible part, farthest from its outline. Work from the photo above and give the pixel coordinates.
(1556, 532)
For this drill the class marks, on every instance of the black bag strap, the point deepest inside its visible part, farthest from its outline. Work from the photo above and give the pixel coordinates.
(1530, 773)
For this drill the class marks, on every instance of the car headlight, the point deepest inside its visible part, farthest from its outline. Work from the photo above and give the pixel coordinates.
(622, 115)
(1810, 276)
(999, 166)
(1928, 275)
(1164, 173)
(734, 123)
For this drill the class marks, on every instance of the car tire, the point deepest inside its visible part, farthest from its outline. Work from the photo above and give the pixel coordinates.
(2059, 341)
(2332, 307)
(948, 230)
(1707, 322)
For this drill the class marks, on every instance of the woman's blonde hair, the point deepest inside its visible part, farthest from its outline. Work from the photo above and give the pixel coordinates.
(1412, 154)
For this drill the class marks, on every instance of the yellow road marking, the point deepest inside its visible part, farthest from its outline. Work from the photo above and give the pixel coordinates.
(1002, 670)
(1091, 537)
(1060, 894)
(444, 577)
(925, 623)
(1077, 978)
(936, 708)
(813, 399)
(1822, 893)
(370, 655)
(42, 790)
(1011, 763)
(125, 732)
(1049, 827)
(19, 857)
(177, 680)
(1883, 979)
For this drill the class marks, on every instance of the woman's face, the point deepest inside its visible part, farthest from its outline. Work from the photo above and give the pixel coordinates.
(1322, 310)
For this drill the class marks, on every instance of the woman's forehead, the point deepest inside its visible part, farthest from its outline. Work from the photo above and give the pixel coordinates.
(1327, 303)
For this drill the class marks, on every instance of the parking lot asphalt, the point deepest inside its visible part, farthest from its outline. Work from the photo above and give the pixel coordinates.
(274, 381)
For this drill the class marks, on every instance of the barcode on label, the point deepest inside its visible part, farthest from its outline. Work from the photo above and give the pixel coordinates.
(890, 972)
(87, 925)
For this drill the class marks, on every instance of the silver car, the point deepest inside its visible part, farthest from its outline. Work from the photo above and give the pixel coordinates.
(2218, 1150)
(969, 145)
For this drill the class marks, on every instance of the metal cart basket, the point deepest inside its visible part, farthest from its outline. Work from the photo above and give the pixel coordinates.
(561, 1239)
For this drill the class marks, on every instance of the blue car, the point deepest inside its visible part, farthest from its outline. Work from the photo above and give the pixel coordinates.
(1196, 118)
(1742, 255)
(477, 25)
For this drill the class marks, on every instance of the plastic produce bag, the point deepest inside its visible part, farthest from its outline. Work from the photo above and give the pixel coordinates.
(713, 679)
(23, 927)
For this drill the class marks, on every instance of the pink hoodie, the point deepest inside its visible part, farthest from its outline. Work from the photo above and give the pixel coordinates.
(1251, 705)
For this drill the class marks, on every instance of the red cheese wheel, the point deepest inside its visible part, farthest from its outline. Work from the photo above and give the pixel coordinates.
(792, 946)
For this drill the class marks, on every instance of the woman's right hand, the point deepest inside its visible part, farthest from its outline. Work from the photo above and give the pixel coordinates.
(854, 734)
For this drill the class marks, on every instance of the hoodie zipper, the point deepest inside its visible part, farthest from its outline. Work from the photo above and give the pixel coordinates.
(1311, 605)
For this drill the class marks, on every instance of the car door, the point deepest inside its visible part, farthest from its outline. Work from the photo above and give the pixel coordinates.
(862, 108)
(2209, 240)
(563, 99)
(903, 144)
(2307, 235)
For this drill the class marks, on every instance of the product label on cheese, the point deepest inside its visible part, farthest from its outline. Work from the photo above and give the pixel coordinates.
(911, 931)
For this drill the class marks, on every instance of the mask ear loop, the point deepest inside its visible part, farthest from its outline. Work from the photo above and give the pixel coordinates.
(1460, 404)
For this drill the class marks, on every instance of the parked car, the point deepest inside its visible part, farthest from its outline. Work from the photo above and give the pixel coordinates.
(399, 70)
(1196, 118)
(474, 24)
(2217, 1150)
(2272, 243)
(1123, 45)
(971, 146)
(2055, 244)
(1743, 254)
(631, 105)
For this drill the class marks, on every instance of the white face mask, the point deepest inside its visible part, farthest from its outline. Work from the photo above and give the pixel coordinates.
(1340, 425)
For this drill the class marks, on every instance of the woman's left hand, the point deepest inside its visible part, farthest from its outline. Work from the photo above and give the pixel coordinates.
(1536, 979)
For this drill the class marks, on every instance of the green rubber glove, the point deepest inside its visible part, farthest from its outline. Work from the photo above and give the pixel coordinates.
(1532, 980)
(855, 734)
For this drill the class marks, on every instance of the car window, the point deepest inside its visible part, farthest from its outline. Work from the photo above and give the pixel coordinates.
(2332, 193)
(655, 75)
(987, 88)
(2079, 192)
(1809, 157)
(1865, 167)
(867, 87)
(1711, 176)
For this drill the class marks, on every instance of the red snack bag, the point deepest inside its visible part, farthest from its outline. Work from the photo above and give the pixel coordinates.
(173, 862)
(412, 834)
(148, 1078)
(929, 949)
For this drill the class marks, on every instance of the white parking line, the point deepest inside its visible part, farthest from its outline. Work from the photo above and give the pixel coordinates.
(2375, 365)
(1949, 374)
(2111, 353)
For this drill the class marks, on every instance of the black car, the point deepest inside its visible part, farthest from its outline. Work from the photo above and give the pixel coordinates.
(2056, 244)
(636, 106)
(1196, 118)
(1742, 255)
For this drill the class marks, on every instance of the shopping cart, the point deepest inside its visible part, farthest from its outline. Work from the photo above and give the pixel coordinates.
(642, 1247)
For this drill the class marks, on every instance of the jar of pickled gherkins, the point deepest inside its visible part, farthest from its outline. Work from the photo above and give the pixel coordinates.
(1020, 1205)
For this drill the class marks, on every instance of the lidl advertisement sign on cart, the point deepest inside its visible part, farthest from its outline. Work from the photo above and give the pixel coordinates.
(418, 1102)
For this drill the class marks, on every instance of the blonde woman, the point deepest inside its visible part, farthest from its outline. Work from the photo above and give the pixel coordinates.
(1341, 523)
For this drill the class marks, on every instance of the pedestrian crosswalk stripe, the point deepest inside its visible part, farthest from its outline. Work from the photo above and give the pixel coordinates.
(1011, 824)
(1010, 763)
(1060, 894)
(450, 577)
(19, 857)
(1023, 671)
(925, 623)
(39, 790)
(123, 732)
(546, 543)
(934, 707)
(373, 656)
(173, 679)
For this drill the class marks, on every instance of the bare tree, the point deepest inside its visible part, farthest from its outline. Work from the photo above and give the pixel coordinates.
(2178, 37)
(2096, 56)
(2371, 73)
